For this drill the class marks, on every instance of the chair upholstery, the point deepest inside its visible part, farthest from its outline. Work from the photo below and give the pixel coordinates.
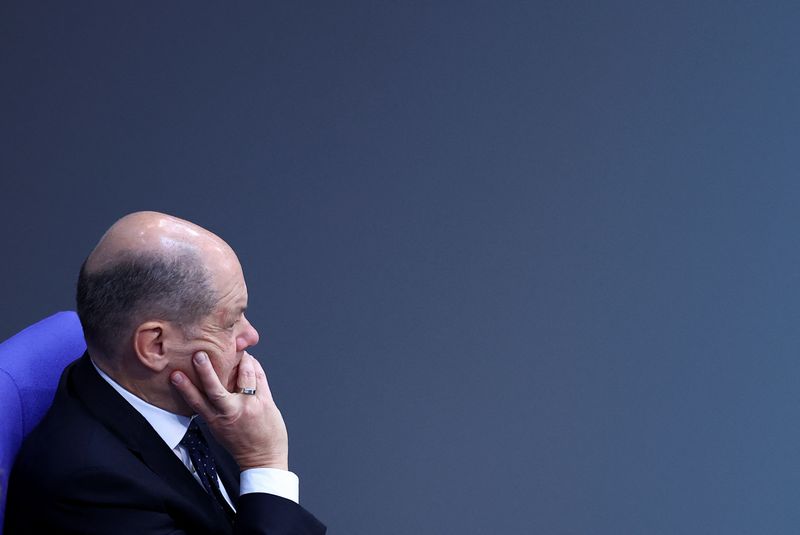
(31, 363)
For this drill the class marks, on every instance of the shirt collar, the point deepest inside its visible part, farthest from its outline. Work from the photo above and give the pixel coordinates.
(169, 426)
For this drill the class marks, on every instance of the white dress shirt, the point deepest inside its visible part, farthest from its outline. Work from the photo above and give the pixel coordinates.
(172, 427)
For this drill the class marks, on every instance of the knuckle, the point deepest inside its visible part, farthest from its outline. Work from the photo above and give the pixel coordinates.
(217, 396)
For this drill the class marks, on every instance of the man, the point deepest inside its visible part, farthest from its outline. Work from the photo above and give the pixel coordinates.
(162, 303)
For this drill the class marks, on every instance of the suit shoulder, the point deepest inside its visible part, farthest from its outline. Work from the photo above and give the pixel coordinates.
(68, 439)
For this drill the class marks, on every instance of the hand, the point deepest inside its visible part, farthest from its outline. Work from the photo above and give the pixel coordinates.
(251, 428)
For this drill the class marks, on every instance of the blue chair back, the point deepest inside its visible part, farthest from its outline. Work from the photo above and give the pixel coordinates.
(31, 363)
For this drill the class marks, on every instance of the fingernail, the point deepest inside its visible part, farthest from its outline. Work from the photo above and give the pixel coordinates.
(177, 378)
(200, 358)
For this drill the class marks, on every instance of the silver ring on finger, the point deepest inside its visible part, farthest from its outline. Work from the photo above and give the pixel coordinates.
(248, 391)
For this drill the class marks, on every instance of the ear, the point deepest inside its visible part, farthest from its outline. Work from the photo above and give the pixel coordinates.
(148, 342)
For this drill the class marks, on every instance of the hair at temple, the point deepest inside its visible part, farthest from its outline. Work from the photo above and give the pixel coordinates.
(139, 286)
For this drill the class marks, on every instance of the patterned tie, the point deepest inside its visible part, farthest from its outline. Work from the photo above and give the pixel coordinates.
(195, 443)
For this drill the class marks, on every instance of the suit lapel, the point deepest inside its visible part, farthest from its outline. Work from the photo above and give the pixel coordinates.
(116, 414)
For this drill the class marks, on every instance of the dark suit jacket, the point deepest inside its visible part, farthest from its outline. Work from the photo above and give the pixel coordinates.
(94, 465)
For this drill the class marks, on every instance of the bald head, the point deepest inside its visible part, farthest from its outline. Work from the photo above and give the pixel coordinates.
(148, 265)
(156, 234)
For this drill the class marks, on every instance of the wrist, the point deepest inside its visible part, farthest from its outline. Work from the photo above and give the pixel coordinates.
(281, 462)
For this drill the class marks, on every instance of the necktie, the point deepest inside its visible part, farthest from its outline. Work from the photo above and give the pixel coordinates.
(195, 443)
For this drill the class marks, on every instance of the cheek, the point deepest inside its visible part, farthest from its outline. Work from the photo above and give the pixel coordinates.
(226, 349)
(219, 343)
(228, 345)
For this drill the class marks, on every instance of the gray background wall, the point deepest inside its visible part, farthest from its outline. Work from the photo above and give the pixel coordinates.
(518, 267)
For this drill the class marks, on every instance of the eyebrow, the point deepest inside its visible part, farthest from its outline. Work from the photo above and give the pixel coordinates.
(237, 312)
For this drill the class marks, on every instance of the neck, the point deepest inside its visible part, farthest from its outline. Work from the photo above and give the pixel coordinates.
(152, 388)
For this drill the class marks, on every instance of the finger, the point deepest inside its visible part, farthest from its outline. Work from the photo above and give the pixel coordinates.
(247, 373)
(217, 395)
(262, 386)
(191, 395)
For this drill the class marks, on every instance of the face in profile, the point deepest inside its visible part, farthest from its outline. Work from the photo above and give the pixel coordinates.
(224, 334)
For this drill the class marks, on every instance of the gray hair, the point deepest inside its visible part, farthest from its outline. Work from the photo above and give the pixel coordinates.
(139, 286)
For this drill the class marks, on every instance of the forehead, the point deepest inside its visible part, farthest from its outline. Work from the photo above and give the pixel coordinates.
(226, 276)
(231, 289)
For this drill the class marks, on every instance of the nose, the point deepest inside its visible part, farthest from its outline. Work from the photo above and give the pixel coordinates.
(248, 337)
